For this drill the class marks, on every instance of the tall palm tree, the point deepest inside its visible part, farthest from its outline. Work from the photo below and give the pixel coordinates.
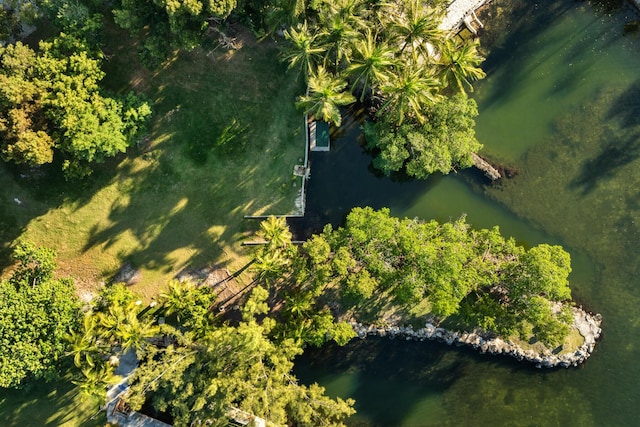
(459, 64)
(371, 63)
(326, 94)
(96, 380)
(276, 232)
(176, 297)
(269, 265)
(338, 33)
(410, 93)
(133, 332)
(353, 11)
(414, 26)
(83, 344)
(305, 51)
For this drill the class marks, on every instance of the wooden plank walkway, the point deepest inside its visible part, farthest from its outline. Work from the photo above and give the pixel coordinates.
(457, 11)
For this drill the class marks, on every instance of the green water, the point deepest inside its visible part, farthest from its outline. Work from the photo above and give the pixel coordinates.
(561, 105)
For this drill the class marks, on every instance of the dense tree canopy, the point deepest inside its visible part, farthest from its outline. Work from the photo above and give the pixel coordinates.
(487, 279)
(393, 55)
(51, 105)
(195, 367)
(166, 25)
(35, 312)
(232, 367)
(445, 140)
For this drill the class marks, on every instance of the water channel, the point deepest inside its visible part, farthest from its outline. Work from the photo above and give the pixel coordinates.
(561, 105)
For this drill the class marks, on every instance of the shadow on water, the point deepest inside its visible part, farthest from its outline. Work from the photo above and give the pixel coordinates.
(382, 377)
(521, 22)
(621, 141)
(390, 379)
(345, 178)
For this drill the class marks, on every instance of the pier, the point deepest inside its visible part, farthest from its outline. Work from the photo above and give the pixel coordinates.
(462, 13)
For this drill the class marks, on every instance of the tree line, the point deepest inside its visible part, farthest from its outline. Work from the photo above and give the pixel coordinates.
(193, 365)
(52, 104)
(391, 55)
(375, 261)
(394, 57)
(196, 364)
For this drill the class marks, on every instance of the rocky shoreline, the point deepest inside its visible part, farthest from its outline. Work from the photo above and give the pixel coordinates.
(588, 325)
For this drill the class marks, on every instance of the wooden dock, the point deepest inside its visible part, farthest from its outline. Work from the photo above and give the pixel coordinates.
(462, 13)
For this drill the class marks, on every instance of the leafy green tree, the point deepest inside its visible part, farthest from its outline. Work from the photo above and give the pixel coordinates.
(50, 104)
(80, 18)
(36, 265)
(489, 280)
(444, 142)
(459, 64)
(35, 312)
(166, 25)
(9, 24)
(544, 270)
(326, 94)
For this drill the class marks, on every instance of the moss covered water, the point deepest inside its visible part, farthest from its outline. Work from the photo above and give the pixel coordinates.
(561, 105)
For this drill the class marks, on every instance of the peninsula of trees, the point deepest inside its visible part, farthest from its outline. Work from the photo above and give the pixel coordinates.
(195, 365)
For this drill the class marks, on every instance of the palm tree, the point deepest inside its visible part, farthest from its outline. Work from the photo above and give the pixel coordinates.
(410, 93)
(338, 32)
(133, 332)
(415, 26)
(269, 265)
(177, 296)
(326, 94)
(305, 51)
(96, 380)
(276, 232)
(459, 64)
(354, 12)
(371, 64)
(83, 344)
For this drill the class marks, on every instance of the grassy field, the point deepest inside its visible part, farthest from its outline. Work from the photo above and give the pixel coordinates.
(54, 404)
(222, 144)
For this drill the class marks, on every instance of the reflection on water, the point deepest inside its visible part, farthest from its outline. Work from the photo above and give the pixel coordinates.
(562, 106)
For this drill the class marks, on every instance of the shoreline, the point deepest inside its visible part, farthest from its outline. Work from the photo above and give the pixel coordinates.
(589, 326)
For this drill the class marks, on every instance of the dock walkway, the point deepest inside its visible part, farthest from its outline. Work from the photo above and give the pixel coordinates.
(457, 11)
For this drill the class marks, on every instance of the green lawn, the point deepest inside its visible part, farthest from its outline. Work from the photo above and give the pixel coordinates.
(53, 404)
(222, 144)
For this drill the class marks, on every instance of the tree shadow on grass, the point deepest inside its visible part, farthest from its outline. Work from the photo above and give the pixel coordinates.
(27, 193)
(49, 404)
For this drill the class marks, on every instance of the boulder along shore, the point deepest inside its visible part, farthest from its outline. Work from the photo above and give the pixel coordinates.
(587, 324)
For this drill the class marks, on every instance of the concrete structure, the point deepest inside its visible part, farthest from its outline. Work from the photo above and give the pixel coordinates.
(319, 136)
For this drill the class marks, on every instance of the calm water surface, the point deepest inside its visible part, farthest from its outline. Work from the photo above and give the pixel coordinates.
(561, 104)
